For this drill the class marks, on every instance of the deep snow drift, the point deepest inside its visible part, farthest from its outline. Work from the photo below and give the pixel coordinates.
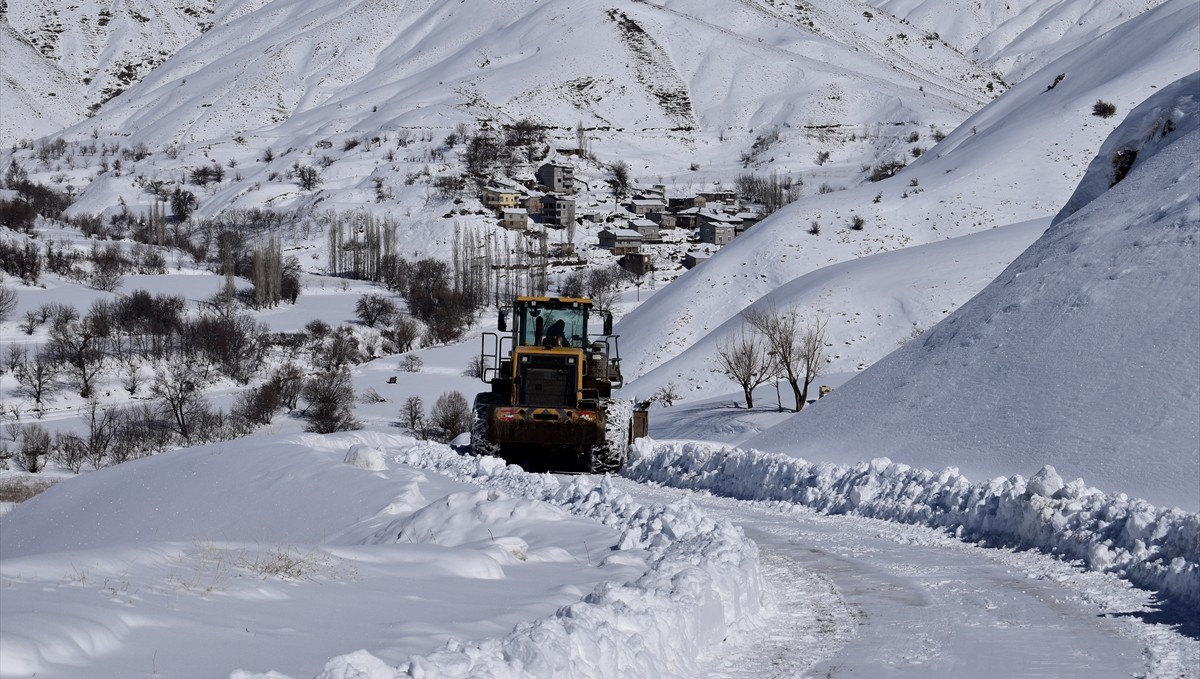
(287, 553)
(1083, 354)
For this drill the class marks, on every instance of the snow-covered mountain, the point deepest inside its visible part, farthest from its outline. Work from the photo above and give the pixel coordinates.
(1017, 159)
(314, 67)
(1083, 354)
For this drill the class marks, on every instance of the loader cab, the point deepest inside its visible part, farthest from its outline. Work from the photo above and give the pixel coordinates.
(550, 322)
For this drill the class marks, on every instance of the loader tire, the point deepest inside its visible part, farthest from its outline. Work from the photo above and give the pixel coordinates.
(610, 456)
(480, 445)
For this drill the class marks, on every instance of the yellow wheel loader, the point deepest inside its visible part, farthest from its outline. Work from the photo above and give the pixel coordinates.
(551, 406)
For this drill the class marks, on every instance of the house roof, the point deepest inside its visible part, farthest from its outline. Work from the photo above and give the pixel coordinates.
(503, 189)
(622, 233)
(643, 223)
(720, 217)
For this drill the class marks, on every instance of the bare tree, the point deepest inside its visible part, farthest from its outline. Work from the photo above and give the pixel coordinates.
(404, 333)
(330, 400)
(812, 351)
(102, 429)
(8, 302)
(35, 444)
(308, 176)
(78, 345)
(412, 415)
(620, 178)
(372, 309)
(746, 359)
(798, 347)
(451, 414)
(37, 376)
(289, 380)
(177, 388)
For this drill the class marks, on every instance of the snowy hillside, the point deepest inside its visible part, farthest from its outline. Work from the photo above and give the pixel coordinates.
(1016, 36)
(36, 97)
(1083, 354)
(1017, 159)
(324, 67)
(96, 48)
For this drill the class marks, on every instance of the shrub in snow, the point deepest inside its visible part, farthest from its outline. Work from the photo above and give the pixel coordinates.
(330, 400)
(411, 363)
(451, 415)
(886, 169)
(1103, 109)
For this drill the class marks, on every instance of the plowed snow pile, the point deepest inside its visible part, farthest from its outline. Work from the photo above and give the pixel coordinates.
(1084, 354)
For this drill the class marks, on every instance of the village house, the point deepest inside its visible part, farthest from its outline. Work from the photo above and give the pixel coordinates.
(746, 220)
(620, 241)
(678, 204)
(515, 218)
(646, 206)
(694, 259)
(717, 228)
(533, 203)
(687, 219)
(725, 218)
(637, 263)
(646, 227)
(557, 210)
(557, 177)
(500, 197)
(726, 197)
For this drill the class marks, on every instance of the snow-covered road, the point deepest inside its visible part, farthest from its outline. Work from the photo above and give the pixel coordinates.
(863, 597)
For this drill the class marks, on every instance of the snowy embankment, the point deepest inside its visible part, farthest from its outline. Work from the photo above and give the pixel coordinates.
(1152, 547)
(281, 552)
(703, 582)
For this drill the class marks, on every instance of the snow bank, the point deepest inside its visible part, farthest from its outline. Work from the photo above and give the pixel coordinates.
(366, 457)
(702, 583)
(1152, 547)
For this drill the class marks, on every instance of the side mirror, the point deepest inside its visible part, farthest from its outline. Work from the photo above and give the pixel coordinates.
(539, 326)
(502, 322)
(607, 322)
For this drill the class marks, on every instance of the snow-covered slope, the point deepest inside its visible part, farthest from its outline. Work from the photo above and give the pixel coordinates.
(36, 97)
(1083, 354)
(1015, 160)
(328, 67)
(97, 48)
(1016, 36)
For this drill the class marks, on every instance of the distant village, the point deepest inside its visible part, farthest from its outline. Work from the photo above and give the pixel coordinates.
(632, 228)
